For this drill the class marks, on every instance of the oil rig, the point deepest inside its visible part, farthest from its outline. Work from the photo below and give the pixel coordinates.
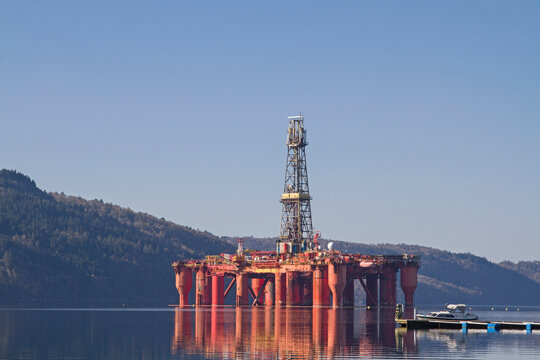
(299, 272)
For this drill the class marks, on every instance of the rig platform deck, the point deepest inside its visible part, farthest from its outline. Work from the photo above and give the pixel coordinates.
(312, 278)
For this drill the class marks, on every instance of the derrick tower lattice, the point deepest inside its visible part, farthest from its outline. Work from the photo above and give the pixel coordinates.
(296, 231)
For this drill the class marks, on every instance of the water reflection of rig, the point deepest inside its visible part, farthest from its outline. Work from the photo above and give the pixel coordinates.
(287, 332)
(299, 272)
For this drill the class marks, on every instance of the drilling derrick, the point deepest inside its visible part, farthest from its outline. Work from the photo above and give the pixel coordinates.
(296, 229)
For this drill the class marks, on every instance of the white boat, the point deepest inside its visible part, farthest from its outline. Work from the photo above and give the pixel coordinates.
(452, 312)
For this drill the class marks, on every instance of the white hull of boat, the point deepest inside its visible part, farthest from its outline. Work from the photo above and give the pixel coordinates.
(466, 318)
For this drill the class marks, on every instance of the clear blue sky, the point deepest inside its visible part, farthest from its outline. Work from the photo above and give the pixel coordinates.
(423, 117)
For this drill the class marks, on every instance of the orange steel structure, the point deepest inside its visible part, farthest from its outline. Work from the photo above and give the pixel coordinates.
(313, 278)
(298, 272)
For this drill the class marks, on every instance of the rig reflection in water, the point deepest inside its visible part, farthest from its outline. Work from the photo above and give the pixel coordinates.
(289, 332)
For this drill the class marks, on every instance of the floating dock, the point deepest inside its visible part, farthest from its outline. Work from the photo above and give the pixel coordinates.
(465, 325)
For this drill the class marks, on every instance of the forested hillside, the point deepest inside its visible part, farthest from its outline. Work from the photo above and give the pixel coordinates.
(58, 247)
(530, 269)
(55, 247)
(445, 276)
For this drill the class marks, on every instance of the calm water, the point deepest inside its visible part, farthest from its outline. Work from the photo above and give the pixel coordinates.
(249, 333)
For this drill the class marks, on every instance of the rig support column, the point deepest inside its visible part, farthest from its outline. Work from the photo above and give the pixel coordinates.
(291, 287)
(242, 297)
(298, 290)
(256, 285)
(207, 296)
(336, 282)
(184, 281)
(218, 285)
(348, 292)
(280, 289)
(317, 284)
(269, 293)
(408, 283)
(200, 287)
(372, 290)
(325, 289)
(388, 286)
(308, 293)
(321, 291)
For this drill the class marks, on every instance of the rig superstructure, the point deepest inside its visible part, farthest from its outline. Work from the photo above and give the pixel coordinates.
(296, 233)
(298, 272)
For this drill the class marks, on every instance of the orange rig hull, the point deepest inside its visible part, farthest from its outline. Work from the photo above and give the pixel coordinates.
(316, 278)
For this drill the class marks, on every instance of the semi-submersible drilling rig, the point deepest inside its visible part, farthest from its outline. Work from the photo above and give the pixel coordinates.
(298, 272)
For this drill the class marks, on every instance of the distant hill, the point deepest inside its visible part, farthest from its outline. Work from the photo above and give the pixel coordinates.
(445, 276)
(530, 269)
(57, 247)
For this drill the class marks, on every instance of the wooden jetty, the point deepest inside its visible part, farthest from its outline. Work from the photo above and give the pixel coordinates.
(465, 325)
